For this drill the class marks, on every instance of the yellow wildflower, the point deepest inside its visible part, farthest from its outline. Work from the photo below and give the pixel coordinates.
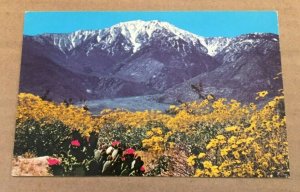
(236, 154)
(213, 143)
(201, 155)
(191, 160)
(198, 173)
(149, 133)
(207, 164)
(261, 94)
(232, 128)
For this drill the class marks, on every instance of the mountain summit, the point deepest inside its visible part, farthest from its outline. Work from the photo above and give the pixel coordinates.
(139, 33)
(136, 33)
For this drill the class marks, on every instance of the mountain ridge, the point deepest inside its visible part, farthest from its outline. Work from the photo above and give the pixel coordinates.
(152, 57)
(124, 27)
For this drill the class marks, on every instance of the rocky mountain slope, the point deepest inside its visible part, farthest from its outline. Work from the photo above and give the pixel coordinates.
(250, 63)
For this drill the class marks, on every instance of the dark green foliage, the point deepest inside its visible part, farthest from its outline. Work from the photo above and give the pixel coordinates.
(72, 164)
(132, 137)
(200, 137)
(41, 138)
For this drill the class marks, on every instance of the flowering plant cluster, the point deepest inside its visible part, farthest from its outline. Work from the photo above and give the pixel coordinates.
(84, 158)
(256, 147)
(158, 140)
(223, 138)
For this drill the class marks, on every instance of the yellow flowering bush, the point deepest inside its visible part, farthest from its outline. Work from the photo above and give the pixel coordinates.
(210, 113)
(33, 107)
(128, 119)
(222, 138)
(256, 148)
(157, 139)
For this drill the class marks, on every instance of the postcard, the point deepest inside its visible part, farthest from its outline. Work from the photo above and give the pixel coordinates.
(153, 93)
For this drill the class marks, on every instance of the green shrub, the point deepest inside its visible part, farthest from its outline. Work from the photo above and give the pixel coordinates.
(41, 138)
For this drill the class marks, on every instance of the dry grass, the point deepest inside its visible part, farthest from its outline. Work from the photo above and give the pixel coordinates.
(36, 166)
(178, 166)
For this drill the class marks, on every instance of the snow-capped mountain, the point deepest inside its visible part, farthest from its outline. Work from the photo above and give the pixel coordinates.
(250, 63)
(260, 43)
(136, 58)
(125, 50)
(136, 34)
(139, 33)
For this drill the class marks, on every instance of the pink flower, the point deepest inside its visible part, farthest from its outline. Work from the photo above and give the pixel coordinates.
(75, 143)
(129, 151)
(53, 161)
(115, 143)
(142, 169)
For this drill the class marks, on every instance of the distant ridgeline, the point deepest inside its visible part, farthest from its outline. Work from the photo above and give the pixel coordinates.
(141, 58)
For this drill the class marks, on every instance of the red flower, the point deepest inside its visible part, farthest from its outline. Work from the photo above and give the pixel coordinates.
(129, 151)
(53, 161)
(142, 169)
(115, 143)
(75, 143)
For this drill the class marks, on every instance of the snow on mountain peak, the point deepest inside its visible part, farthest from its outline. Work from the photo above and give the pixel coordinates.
(79, 36)
(138, 33)
(133, 29)
(215, 45)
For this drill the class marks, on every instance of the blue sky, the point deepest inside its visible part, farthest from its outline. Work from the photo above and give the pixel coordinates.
(208, 23)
